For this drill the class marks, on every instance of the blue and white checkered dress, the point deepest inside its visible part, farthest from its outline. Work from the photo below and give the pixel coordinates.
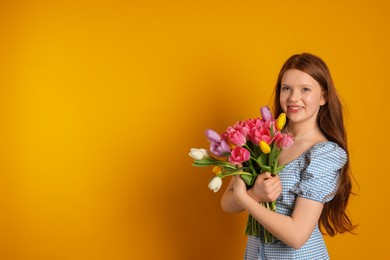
(313, 175)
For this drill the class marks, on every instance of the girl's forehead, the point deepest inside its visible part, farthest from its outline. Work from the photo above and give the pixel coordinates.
(298, 77)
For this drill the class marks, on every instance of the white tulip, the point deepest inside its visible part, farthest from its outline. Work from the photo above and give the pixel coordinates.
(198, 154)
(215, 184)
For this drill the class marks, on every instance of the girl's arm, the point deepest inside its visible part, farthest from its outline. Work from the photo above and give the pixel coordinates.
(266, 188)
(293, 230)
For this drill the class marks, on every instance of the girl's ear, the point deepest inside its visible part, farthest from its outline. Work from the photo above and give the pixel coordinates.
(323, 99)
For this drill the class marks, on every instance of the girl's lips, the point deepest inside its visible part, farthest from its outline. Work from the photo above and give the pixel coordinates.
(294, 109)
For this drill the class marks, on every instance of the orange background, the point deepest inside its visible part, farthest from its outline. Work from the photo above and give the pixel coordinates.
(101, 101)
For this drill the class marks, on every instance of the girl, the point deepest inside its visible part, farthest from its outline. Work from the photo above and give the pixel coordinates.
(313, 189)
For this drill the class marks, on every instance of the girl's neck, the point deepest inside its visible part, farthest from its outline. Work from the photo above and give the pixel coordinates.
(300, 131)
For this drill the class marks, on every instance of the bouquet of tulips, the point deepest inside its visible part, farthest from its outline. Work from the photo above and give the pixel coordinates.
(247, 148)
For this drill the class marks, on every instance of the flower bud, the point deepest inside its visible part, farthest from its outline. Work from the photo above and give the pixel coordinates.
(266, 114)
(281, 121)
(265, 148)
(215, 184)
(217, 169)
(212, 136)
(198, 154)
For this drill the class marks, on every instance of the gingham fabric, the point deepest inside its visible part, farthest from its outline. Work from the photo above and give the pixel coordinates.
(313, 175)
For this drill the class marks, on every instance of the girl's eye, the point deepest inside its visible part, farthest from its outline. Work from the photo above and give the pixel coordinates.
(284, 89)
(306, 89)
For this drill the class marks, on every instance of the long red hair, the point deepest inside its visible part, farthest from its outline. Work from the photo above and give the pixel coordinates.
(334, 218)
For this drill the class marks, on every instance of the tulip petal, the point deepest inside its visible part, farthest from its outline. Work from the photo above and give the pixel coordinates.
(212, 136)
(215, 184)
(281, 121)
(266, 113)
(265, 148)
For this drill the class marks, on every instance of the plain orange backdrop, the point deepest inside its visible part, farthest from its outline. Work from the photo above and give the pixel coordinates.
(100, 102)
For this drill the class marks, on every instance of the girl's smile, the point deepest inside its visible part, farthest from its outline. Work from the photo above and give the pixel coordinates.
(294, 109)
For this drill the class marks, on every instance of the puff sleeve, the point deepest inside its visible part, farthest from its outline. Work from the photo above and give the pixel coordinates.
(319, 178)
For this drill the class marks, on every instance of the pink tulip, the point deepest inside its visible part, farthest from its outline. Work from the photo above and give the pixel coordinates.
(239, 155)
(242, 127)
(254, 123)
(283, 141)
(266, 114)
(260, 134)
(225, 135)
(236, 138)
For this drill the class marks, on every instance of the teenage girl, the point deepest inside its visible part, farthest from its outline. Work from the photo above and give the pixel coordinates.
(313, 189)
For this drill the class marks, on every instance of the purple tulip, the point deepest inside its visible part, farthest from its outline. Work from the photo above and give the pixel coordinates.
(212, 136)
(266, 114)
(219, 148)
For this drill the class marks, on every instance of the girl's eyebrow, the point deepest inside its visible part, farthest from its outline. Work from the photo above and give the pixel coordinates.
(302, 85)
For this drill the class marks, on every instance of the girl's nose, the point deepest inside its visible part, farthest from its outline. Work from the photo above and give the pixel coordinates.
(294, 96)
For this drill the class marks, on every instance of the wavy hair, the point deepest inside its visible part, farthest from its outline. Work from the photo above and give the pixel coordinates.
(334, 218)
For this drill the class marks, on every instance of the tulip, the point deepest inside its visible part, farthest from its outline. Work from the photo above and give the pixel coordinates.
(212, 136)
(254, 123)
(266, 113)
(265, 148)
(217, 169)
(239, 155)
(198, 154)
(281, 121)
(236, 138)
(242, 127)
(215, 184)
(284, 141)
(260, 134)
(219, 148)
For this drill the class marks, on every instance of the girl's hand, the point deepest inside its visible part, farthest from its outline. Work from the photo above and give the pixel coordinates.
(266, 188)
(239, 189)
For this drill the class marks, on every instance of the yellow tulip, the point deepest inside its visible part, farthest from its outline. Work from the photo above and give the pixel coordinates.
(265, 148)
(217, 170)
(281, 121)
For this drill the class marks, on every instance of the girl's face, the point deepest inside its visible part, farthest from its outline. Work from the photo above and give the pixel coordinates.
(300, 96)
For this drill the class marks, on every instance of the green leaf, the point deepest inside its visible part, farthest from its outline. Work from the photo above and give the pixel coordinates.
(266, 168)
(272, 155)
(262, 159)
(199, 165)
(206, 160)
(212, 162)
(247, 179)
(279, 169)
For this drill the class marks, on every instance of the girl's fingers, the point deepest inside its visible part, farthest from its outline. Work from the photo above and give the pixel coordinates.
(275, 194)
(272, 180)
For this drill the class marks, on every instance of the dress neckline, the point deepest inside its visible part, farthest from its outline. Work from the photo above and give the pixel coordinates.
(308, 150)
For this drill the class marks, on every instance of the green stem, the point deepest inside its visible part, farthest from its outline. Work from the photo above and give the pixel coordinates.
(272, 154)
(250, 150)
(252, 168)
(275, 163)
(254, 159)
(221, 175)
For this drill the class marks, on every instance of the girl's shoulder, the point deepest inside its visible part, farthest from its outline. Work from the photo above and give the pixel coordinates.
(326, 146)
(327, 152)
